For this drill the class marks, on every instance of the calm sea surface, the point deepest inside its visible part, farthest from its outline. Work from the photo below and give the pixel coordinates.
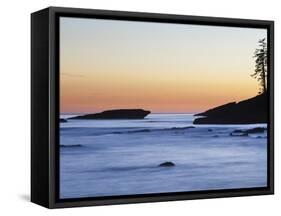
(121, 157)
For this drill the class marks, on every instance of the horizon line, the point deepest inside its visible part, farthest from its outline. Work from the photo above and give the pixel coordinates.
(77, 113)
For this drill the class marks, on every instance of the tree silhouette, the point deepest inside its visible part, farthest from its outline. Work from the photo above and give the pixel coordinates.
(260, 56)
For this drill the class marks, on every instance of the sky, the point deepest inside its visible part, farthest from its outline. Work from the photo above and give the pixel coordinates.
(161, 67)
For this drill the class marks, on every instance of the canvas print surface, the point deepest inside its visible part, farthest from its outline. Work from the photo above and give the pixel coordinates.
(150, 107)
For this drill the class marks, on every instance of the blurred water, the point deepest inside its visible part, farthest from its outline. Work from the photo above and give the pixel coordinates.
(121, 157)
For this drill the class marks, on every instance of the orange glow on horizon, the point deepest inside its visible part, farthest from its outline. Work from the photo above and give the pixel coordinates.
(93, 94)
(168, 68)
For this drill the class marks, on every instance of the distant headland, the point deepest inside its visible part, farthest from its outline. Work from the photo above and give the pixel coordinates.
(250, 111)
(116, 114)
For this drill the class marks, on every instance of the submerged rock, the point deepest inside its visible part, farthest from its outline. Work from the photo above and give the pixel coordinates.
(247, 131)
(116, 114)
(63, 120)
(167, 164)
(256, 130)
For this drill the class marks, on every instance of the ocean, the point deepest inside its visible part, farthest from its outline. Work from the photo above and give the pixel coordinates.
(122, 157)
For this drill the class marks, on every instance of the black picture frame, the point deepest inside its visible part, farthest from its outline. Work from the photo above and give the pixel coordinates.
(45, 106)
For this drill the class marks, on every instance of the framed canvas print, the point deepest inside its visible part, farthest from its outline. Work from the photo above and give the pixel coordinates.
(138, 107)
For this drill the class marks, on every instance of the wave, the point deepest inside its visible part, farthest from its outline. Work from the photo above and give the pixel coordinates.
(154, 130)
(108, 131)
(71, 146)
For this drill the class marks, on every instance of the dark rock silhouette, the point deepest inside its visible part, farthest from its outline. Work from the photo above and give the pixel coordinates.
(116, 114)
(167, 164)
(256, 130)
(250, 111)
(248, 131)
(63, 120)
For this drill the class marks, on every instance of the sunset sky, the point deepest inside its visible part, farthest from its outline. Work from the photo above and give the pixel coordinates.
(170, 68)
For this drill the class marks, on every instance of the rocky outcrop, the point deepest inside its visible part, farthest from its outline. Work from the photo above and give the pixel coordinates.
(250, 111)
(246, 132)
(116, 114)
